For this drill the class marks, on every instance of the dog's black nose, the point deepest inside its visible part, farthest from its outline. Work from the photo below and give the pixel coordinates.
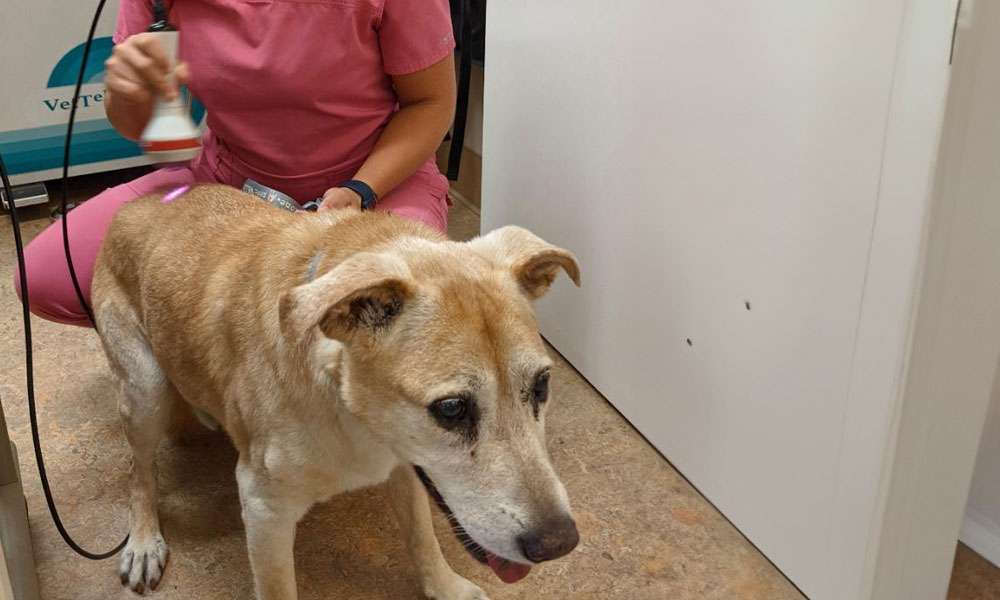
(555, 538)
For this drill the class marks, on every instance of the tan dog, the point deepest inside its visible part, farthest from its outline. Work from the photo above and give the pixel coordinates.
(337, 351)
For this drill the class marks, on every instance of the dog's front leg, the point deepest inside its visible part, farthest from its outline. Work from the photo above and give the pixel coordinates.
(270, 515)
(412, 508)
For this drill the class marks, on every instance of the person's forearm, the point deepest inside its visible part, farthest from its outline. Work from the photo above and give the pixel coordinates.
(412, 135)
(128, 119)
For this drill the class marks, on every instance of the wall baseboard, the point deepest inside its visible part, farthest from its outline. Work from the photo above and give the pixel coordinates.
(470, 177)
(982, 536)
(461, 199)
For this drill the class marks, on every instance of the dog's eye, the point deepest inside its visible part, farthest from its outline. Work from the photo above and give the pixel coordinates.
(458, 414)
(540, 391)
(451, 409)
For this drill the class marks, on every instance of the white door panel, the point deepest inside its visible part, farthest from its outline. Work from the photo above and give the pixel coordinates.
(699, 156)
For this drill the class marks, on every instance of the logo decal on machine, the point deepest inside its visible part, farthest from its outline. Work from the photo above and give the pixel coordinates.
(94, 140)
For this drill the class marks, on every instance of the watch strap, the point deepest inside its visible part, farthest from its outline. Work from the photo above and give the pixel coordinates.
(368, 196)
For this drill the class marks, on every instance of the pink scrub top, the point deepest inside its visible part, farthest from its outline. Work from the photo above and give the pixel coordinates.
(299, 89)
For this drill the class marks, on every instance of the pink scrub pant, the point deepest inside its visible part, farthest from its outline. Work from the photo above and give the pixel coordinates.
(422, 197)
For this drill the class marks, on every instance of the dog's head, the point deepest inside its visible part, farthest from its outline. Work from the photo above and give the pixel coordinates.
(443, 361)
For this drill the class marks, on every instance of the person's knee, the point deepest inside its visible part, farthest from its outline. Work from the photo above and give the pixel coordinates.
(16, 280)
(36, 293)
(44, 290)
(28, 267)
(428, 208)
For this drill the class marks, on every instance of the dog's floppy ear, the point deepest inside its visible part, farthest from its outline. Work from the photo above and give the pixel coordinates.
(364, 293)
(533, 261)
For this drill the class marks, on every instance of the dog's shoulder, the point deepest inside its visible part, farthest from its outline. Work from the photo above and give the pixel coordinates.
(378, 229)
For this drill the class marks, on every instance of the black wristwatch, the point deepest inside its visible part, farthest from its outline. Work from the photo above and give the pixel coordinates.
(368, 197)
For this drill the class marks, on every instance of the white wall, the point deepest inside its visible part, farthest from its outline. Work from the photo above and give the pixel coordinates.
(949, 374)
(981, 529)
(700, 155)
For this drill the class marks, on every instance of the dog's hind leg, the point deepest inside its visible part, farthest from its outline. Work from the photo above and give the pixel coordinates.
(146, 404)
(412, 508)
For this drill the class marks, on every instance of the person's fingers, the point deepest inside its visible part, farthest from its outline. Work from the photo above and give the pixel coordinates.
(155, 50)
(338, 199)
(150, 70)
(123, 70)
(126, 88)
(152, 47)
(182, 73)
(328, 201)
(351, 199)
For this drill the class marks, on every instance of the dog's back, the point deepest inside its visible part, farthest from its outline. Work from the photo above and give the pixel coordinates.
(147, 235)
(212, 228)
(201, 277)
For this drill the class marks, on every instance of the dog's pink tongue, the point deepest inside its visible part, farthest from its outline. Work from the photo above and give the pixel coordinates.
(507, 571)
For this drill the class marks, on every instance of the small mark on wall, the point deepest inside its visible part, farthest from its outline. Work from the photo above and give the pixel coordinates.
(746, 303)
(689, 342)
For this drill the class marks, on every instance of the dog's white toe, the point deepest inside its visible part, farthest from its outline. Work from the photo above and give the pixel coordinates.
(142, 563)
(455, 587)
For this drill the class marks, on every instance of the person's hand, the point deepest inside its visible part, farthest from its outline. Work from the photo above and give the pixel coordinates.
(139, 69)
(338, 198)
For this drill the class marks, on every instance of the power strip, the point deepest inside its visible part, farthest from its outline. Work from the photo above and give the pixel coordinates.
(26, 195)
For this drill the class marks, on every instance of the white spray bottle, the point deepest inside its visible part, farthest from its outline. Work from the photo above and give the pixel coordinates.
(170, 135)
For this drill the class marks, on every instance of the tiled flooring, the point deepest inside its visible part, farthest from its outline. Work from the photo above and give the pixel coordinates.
(647, 535)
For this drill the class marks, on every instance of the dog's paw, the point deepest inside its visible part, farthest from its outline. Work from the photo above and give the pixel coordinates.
(454, 587)
(142, 563)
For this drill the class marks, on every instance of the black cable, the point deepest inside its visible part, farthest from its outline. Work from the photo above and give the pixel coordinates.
(30, 380)
(65, 171)
(26, 314)
(464, 82)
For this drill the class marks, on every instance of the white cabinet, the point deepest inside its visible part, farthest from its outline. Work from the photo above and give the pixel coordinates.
(746, 185)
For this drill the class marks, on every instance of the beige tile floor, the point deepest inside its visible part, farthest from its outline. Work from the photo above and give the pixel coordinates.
(647, 534)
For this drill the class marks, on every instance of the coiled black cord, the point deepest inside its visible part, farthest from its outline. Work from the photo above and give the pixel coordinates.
(26, 313)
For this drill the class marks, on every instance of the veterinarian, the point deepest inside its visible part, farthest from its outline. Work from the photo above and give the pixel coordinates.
(302, 97)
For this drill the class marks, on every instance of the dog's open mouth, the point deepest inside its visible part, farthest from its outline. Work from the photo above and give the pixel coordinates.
(507, 571)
